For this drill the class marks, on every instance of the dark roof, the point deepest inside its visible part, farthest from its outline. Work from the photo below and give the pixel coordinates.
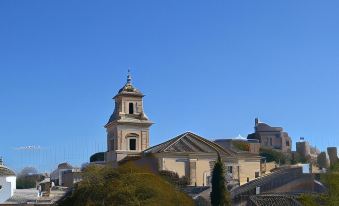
(274, 199)
(5, 171)
(194, 191)
(262, 127)
(189, 143)
(65, 165)
(130, 90)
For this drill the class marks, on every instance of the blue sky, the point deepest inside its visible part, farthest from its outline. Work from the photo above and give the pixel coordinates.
(209, 67)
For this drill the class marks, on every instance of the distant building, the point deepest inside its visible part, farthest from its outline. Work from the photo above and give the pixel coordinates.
(237, 144)
(58, 174)
(322, 160)
(71, 177)
(314, 153)
(303, 149)
(7, 182)
(332, 154)
(271, 137)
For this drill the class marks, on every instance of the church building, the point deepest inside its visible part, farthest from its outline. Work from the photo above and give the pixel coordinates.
(188, 154)
(128, 127)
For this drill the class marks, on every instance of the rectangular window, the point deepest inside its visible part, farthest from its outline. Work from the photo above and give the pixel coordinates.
(131, 108)
(256, 174)
(230, 169)
(287, 143)
(132, 144)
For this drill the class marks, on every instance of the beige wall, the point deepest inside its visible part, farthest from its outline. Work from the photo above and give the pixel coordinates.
(247, 170)
(123, 104)
(199, 169)
(178, 165)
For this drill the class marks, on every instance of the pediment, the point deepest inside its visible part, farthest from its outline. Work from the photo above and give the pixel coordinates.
(188, 143)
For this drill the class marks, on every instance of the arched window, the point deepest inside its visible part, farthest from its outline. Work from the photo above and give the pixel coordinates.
(131, 108)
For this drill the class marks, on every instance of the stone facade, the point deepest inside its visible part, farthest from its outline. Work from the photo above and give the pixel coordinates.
(187, 154)
(271, 137)
(193, 156)
(303, 149)
(333, 155)
(128, 127)
(323, 160)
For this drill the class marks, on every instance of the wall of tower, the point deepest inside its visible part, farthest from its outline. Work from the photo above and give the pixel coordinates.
(332, 154)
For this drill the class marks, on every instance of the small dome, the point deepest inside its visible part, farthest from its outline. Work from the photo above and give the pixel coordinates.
(6, 172)
(129, 89)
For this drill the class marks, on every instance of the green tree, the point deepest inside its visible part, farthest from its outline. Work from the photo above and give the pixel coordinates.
(219, 194)
(28, 178)
(272, 155)
(241, 145)
(127, 185)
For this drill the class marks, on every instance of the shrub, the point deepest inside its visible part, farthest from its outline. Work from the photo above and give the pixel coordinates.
(241, 145)
(174, 178)
(272, 155)
(125, 185)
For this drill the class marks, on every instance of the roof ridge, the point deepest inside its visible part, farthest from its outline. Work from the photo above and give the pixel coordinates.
(164, 143)
(175, 141)
(214, 145)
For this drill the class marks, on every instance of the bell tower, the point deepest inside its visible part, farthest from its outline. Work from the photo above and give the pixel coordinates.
(128, 127)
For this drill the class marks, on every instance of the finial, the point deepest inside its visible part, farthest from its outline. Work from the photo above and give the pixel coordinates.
(129, 77)
(256, 121)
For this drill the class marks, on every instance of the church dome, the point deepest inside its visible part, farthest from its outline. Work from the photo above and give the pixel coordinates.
(129, 89)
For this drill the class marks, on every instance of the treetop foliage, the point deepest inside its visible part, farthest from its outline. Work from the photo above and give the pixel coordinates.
(219, 194)
(272, 155)
(126, 185)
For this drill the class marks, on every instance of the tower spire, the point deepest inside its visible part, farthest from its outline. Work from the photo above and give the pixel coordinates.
(129, 77)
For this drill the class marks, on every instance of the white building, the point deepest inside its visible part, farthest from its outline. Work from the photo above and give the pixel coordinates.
(57, 175)
(7, 182)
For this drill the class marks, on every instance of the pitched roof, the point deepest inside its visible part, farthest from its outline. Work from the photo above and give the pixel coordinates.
(189, 143)
(263, 127)
(130, 90)
(65, 165)
(5, 171)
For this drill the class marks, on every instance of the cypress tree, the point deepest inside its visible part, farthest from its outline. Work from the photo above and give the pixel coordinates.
(219, 194)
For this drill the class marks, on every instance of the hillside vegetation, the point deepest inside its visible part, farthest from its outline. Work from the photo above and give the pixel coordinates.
(126, 185)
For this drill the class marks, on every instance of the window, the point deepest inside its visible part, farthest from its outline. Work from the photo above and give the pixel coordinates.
(132, 144)
(256, 174)
(248, 179)
(229, 169)
(287, 143)
(271, 141)
(131, 108)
